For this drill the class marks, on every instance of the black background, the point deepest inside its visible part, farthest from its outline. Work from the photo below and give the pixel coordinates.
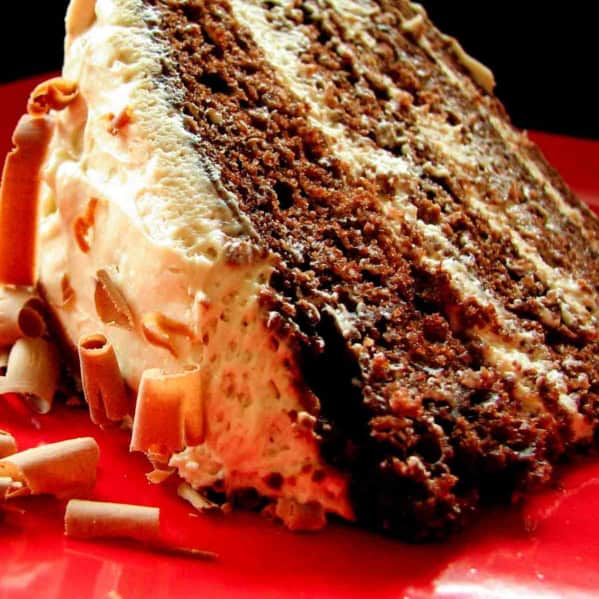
(544, 54)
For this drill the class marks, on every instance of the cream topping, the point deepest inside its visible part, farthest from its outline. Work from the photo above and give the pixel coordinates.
(163, 239)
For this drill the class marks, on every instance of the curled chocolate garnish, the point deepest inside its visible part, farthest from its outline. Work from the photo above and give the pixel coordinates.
(54, 94)
(8, 445)
(191, 552)
(201, 503)
(99, 519)
(32, 372)
(168, 412)
(103, 384)
(87, 520)
(83, 224)
(63, 469)
(20, 315)
(111, 305)
(120, 121)
(68, 293)
(159, 475)
(19, 206)
(7, 486)
(159, 329)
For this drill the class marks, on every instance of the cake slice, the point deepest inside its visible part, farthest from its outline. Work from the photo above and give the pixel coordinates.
(386, 298)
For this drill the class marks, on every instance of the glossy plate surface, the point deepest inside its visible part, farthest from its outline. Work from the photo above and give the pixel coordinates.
(548, 547)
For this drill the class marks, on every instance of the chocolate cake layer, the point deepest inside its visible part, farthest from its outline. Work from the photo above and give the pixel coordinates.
(435, 278)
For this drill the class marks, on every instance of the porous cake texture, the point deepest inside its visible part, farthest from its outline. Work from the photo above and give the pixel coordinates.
(391, 296)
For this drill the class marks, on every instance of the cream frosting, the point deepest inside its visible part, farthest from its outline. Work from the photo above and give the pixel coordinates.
(164, 239)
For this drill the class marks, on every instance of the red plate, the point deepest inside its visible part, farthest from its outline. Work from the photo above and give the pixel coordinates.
(548, 547)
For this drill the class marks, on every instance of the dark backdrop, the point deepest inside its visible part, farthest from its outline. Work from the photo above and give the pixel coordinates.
(544, 54)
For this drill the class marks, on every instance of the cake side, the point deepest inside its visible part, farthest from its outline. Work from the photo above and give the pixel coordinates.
(436, 278)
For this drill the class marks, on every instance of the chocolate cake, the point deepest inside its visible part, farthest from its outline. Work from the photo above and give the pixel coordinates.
(390, 296)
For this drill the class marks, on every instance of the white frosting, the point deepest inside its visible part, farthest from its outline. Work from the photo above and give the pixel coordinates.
(116, 65)
(162, 237)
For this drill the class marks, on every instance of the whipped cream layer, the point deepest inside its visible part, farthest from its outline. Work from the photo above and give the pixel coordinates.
(174, 245)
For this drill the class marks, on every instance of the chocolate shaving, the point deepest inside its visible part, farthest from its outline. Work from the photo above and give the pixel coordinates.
(6, 486)
(68, 293)
(8, 445)
(111, 305)
(104, 520)
(199, 554)
(32, 372)
(19, 201)
(120, 121)
(168, 413)
(201, 503)
(159, 475)
(64, 469)
(20, 315)
(54, 94)
(159, 329)
(83, 224)
(87, 520)
(103, 385)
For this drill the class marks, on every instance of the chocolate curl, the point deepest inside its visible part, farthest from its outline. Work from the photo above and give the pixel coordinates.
(111, 305)
(8, 445)
(159, 475)
(83, 224)
(32, 371)
(169, 413)
(160, 330)
(103, 384)
(80, 16)
(103, 520)
(88, 520)
(20, 315)
(65, 469)
(53, 94)
(19, 206)
(197, 500)
(120, 121)
(6, 486)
